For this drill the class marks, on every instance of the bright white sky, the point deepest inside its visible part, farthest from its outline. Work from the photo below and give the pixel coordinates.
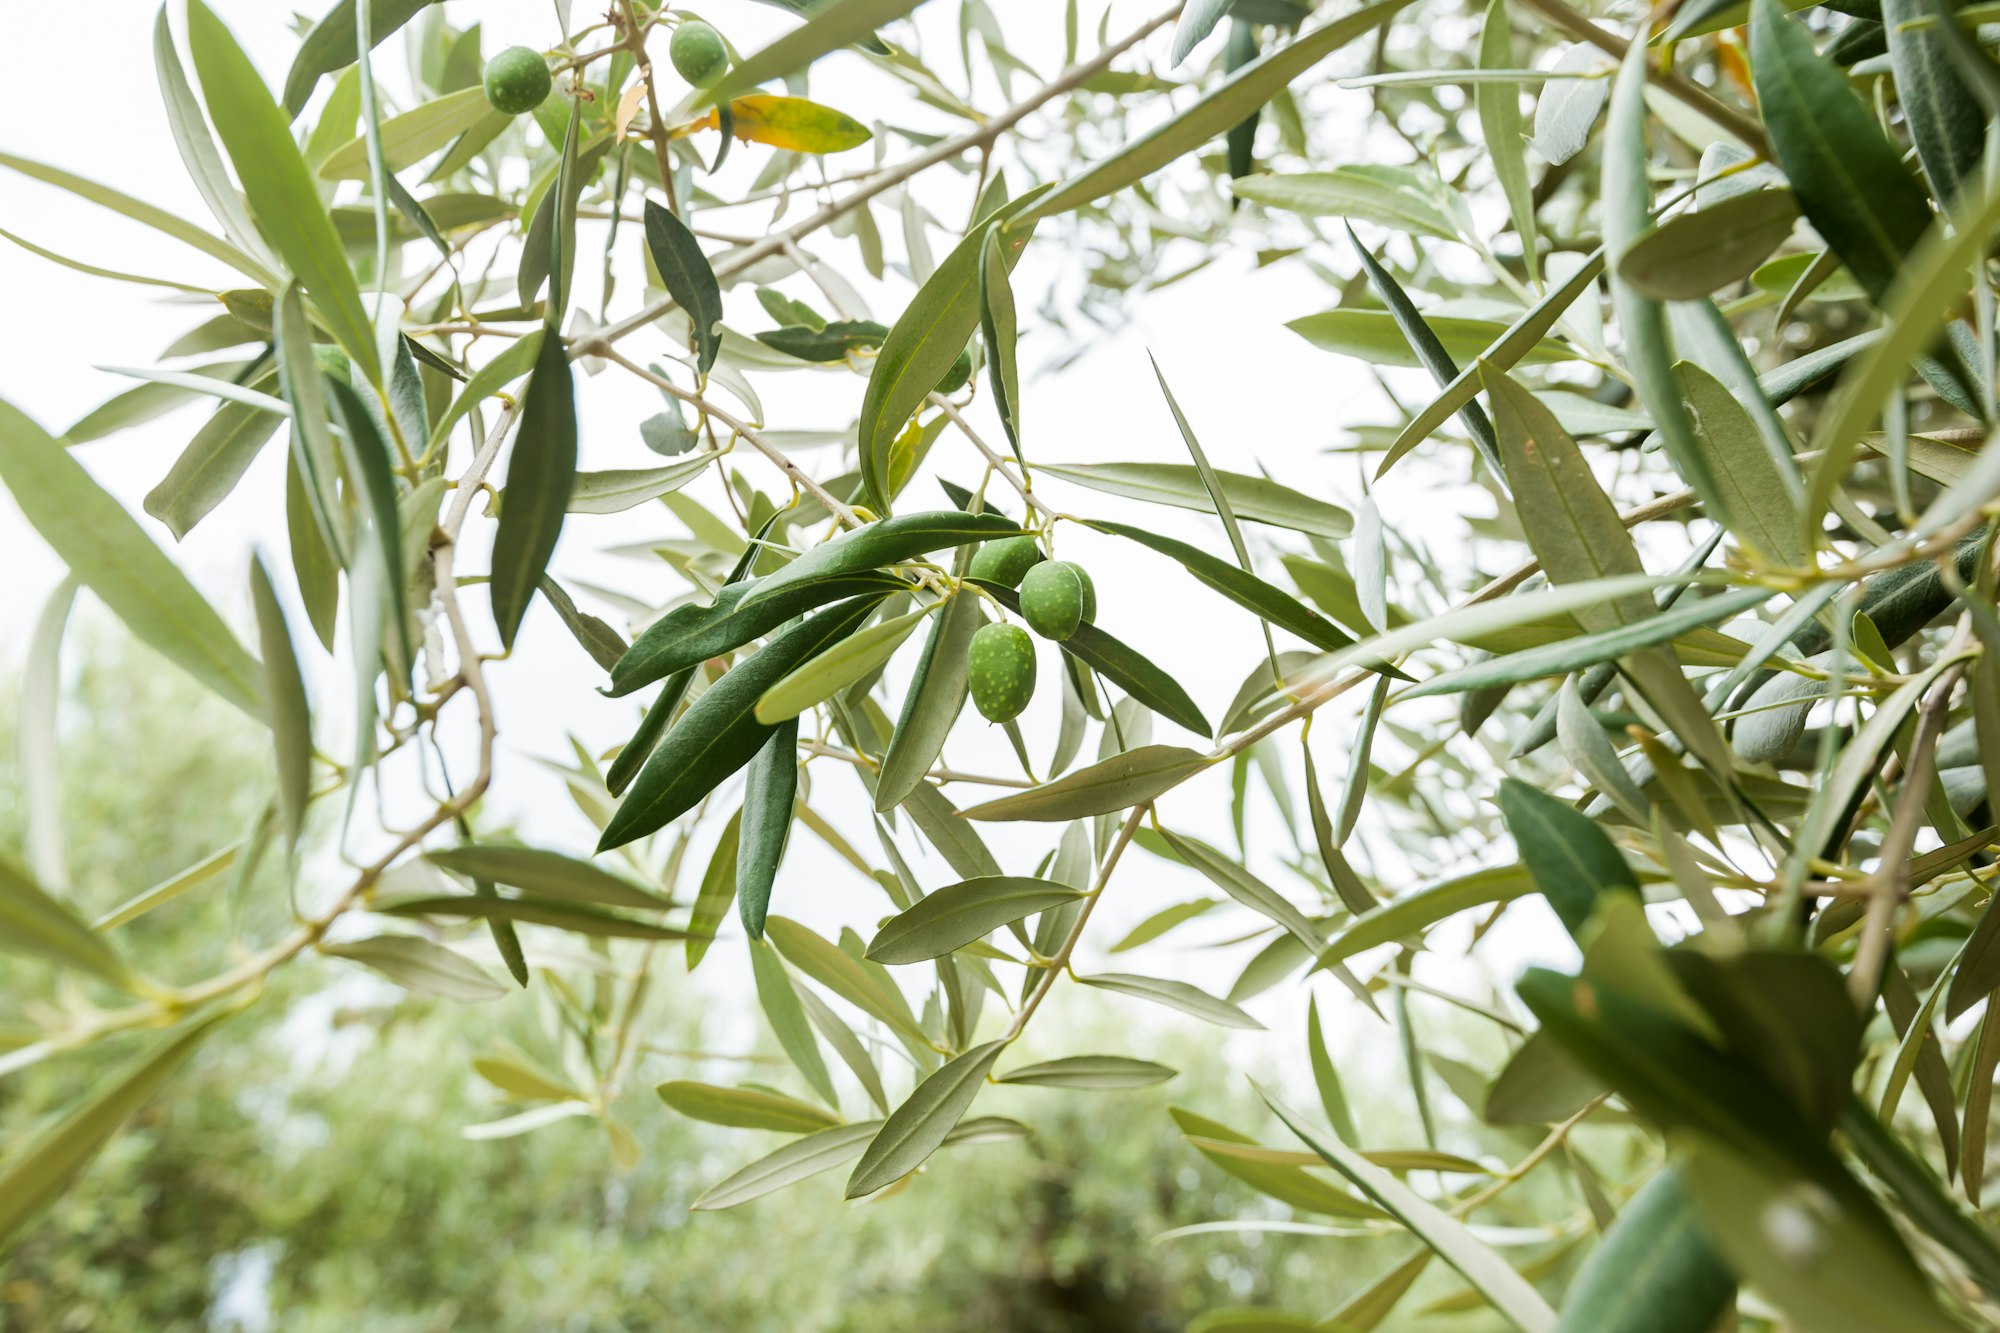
(1257, 394)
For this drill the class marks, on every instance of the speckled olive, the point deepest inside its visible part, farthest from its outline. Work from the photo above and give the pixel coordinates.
(1000, 669)
(1056, 597)
(697, 52)
(517, 80)
(1005, 561)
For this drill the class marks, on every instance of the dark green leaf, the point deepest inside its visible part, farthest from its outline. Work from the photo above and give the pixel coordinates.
(918, 1127)
(691, 634)
(1653, 1271)
(688, 278)
(285, 692)
(720, 732)
(1267, 600)
(770, 788)
(539, 478)
(961, 913)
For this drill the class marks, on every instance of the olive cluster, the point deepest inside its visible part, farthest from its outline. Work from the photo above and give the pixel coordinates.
(1057, 596)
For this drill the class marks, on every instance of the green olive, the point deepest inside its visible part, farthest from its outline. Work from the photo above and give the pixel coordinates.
(1000, 671)
(517, 80)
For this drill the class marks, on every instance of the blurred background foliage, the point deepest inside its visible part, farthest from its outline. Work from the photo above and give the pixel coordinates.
(279, 1187)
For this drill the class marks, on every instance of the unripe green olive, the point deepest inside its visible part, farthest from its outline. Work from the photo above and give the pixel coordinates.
(697, 52)
(517, 80)
(1000, 671)
(1005, 561)
(1056, 597)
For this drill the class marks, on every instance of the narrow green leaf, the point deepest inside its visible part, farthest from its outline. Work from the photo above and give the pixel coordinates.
(1944, 117)
(1927, 287)
(1162, 921)
(692, 634)
(1198, 19)
(1268, 601)
(1090, 1072)
(1175, 995)
(517, 360)
(332, 43)
(842, 974)
(1376, 337)
(1291, 1185)
(1586, 649)
(798, 1160)
(770, 790)
(1244, 887)
(40, 926)
(720, 732)
(1760, 508)
(957, 915)
(41, 1167)
(780, 1002)
(1850, 180)
(998, 326)
(1392, 197)
(1239, 95)
(1118, 783)
(285, 692)
(1414, 912)
(410, 137)
(718, 886)
(820, 678)
(1506, 351)
(926, 339)
(1627, 194)
(139, 211)
(1499, 106)
(1692, 254)
(419, 965)
(689, 279)
(1258, 499)
(213, 462)
(1423, 339)
(935, 698)
(579, 918)
(197, 146)
(258, 137)
(1509, 1293)
(745, 1108)
(115, 559)
(888, 541)
(918, 1127)
(544, 873)
(829, 27)
(1653, 1270)
(1332, 1097)
(539, 478)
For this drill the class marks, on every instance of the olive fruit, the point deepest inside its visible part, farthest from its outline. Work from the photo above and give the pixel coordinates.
(517, 80)
(1000, 669)
(1056, 597)
(697, 52)
(1005, 561)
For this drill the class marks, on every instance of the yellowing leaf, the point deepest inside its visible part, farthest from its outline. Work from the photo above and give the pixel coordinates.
(789, 122)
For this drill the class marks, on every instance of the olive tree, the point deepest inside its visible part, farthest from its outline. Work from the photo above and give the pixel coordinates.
(1685, 328)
